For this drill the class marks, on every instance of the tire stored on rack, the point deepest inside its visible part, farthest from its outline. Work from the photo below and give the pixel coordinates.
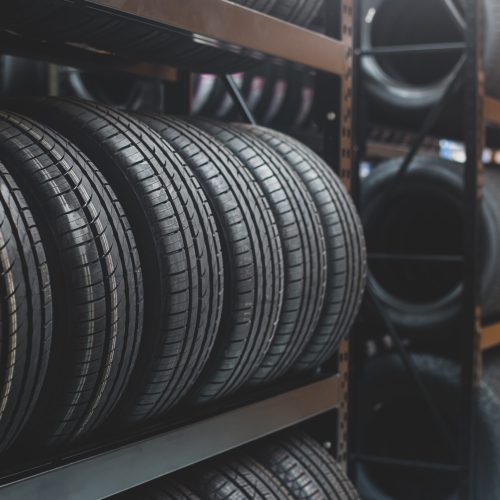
(252, 255)
(405, 83)
(236, 476)
(25, 311)
(304, 467)
(177, 240)
(389, 400)
(301, 12)
(422, 214)
(303, 243)
(96, 280)
(346, 257)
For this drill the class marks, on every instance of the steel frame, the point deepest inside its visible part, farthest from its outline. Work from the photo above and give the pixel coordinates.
(110, 468)
(470, 78)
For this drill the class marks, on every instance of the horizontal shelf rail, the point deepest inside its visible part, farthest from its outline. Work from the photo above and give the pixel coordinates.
(134, 464)
(490, 336)
(238, 26)
(492, 111)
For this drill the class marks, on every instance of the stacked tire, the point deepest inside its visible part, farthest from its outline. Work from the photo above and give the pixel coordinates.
(423, 214)
(402, 88)
(154, 261)
(288, 466)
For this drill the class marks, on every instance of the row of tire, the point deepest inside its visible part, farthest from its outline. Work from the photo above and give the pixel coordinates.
(65, 22)
(287, 466)
(278, 97)
(156, 259)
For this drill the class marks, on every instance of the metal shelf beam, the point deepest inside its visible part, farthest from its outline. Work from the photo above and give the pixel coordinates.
(490, 336)
(492, 111)
(123, 468)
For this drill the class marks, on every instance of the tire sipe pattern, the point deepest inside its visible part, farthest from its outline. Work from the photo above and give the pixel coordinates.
(346, 252)
(253, 257)
(25, 311)
(306, 469)
(96, 277)
(178, 244)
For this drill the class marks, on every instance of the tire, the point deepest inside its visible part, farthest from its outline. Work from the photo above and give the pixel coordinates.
(264, 6)
(392, 82)
(54, 21)
(304, 467)
(397, 89)
(423, 299)
(252, 256)
(178, 244)
(96, 276)
(125, 92)
(389, 400)
(301, 12)
(346, 255)
(22, 77)
(304, 247)
(162, 489)
(25, 311)
(235, 477)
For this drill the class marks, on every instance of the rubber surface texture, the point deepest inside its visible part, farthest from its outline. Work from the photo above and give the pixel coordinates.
(178, 243)
(346, 252)
(304, 467)
(303, 243)
(96, 276)
(253, 257)
(25, 311)
(237, 477)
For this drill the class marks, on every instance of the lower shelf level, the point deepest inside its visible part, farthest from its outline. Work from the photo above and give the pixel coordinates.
(120, 469)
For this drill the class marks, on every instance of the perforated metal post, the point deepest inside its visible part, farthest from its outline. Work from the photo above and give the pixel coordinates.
(345, 171)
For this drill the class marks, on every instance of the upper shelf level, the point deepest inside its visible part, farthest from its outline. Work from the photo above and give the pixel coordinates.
(222, 24)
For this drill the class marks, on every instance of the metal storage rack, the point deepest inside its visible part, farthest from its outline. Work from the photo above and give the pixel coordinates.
(103, 468)
(479, 112)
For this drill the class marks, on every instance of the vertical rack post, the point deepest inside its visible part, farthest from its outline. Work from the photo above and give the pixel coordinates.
(333, 109)
(346, 174)
(474, 143)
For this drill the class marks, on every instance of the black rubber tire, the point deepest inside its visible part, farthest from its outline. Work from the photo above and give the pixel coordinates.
(25, 311)
(264, 6)
(389, 400)
(162, 489)
(301, 12)
(304, 247)
(122, 91)
(236, 477)
(69, 22)
(252, 254)
(178, 244)
(388, 87)
(346, 253)
(23, 77)
(393, 95)
(96, 276)
(304, 467)
(395, 222)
